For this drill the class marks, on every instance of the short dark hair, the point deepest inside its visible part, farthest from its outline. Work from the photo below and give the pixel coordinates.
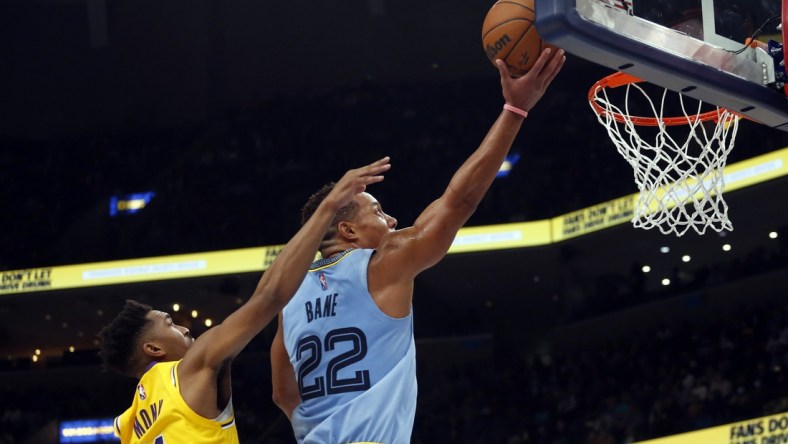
(345, 213)
(119, 339)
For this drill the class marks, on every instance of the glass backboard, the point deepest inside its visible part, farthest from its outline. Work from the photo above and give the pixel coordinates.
(696, 47)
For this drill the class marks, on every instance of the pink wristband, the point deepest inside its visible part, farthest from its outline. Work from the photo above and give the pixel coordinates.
(515, 110)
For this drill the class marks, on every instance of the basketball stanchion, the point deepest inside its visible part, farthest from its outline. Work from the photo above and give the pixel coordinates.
(680, 177)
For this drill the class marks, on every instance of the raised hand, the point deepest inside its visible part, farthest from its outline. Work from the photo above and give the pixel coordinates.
(355, 181)
(523, 92)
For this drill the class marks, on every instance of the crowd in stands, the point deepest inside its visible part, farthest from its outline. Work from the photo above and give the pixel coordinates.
(652, 381)
(648, 384)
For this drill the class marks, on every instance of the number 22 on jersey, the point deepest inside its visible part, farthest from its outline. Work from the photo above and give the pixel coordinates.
(331, 383)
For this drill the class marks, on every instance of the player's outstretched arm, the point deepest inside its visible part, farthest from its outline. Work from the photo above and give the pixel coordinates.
(438, 224)
(281, 280)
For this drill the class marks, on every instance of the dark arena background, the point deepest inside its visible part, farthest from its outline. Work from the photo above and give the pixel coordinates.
(204, 125)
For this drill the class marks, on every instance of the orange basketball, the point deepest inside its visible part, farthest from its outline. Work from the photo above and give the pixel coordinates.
(509, 34)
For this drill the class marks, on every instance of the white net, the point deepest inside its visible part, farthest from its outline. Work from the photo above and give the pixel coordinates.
(679, 172)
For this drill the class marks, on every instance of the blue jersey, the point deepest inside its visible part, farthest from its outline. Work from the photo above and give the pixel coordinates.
(355, 365)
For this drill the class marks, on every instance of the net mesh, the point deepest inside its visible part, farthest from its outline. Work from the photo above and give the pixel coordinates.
(679, 173)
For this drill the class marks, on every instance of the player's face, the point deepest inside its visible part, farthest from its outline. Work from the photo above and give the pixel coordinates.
(174, 339)
(371, 223)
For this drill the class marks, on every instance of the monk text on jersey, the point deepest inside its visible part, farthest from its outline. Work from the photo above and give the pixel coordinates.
(145, 418)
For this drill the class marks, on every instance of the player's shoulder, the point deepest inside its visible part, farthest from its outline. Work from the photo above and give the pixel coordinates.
(395, 250)
(397, 240)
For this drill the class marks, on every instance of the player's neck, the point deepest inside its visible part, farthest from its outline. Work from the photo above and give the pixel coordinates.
(144, 369)
(336, 248)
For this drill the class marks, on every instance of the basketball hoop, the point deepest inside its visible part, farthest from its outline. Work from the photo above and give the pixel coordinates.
(680, 180)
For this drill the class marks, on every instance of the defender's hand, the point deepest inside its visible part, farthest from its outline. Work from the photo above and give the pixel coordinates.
(355, 181)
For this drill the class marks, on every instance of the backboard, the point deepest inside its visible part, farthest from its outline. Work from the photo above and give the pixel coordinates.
(696, 47)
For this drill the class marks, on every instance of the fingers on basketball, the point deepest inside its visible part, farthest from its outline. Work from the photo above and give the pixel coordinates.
(509, 33)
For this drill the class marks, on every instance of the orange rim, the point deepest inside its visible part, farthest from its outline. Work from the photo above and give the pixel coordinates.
(619, 79)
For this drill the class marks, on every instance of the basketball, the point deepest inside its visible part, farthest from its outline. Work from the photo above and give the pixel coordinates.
(509, 34)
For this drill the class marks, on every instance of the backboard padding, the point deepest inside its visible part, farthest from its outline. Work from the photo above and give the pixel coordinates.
(662, 56)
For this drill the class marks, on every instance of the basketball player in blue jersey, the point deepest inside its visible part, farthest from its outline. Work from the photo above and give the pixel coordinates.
(184, 390)
(343, 359)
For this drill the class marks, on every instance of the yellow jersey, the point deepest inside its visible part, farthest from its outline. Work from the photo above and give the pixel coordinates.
(159, 415)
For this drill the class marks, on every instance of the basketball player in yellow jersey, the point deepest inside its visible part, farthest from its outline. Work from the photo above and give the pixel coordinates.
(184, 391)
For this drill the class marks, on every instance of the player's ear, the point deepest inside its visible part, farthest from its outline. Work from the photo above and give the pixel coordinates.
(346, 230)
(153, 350)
